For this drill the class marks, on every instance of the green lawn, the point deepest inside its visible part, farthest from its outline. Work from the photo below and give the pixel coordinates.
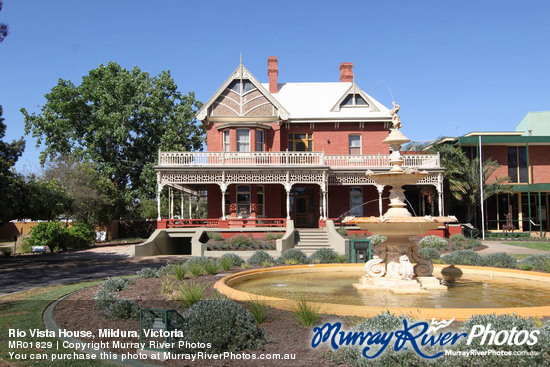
(23, 311)
(534, 245)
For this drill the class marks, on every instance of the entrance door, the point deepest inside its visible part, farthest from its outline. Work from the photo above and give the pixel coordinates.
(302, 209)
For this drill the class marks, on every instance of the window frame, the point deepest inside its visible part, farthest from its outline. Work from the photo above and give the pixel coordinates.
(262, 202)
(518, 169)
(360, 211)
(260, 141)
(238, 146)
(226, 140)
(360, 144)
(245, 205)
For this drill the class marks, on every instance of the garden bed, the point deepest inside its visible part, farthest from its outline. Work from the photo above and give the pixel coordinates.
(285, 334)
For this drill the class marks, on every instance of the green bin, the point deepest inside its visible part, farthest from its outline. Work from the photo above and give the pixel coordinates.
(360, 251)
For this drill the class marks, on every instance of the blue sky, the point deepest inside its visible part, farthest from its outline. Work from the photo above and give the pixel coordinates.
(453, 66)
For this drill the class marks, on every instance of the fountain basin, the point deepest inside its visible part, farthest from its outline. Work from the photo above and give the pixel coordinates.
(487, 290)
(400, 226)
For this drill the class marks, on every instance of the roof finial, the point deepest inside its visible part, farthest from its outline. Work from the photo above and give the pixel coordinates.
(241, 58)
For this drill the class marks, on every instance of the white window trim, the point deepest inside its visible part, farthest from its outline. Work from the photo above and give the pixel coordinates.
(237, 138)
(360, 143)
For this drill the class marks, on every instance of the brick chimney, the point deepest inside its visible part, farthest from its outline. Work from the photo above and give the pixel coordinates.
(346, 72)
(272, 71)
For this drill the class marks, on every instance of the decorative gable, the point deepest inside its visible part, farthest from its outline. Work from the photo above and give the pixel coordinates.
(355, 97)
(241, 97)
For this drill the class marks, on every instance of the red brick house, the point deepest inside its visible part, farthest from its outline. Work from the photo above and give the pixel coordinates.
(292, 151)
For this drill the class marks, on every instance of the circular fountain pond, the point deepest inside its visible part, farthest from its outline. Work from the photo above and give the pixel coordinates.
(471, 291)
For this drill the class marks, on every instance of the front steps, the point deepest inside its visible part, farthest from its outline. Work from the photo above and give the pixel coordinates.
(310, 240)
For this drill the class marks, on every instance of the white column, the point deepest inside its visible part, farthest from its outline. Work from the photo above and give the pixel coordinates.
(159, 191)
(181, 204)
(191, 206)
(380, 189)
(440, 193)
(171, 201)
(223, 188)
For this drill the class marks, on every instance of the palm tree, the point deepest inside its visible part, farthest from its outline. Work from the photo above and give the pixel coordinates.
(467, 190)
(461, 185)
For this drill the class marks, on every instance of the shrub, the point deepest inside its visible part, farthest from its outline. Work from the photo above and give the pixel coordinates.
(23, 245)
(463, 257)
(228, 261)
(226, 325)
(267, 264)
(116, 284)
(430, 253)
(433, 241)
(200, 260)
(273, 236)
(195, 269)
(215, 236)
(305, 312)
(225, 263)
(50, 234)
(211, 268)
(80, 235)
(499, 260)
(104, 298)
(342, 258)
(56, 236)
(240, 240)
(342, 231)
(178, 271)
(191, 292)
(377, 239)
(259, 257)
(458, 237)
(323, 256)
(147, 273)
(258, 309)
(471, 243)
(293, 256)
(122, 309)
(536, 262)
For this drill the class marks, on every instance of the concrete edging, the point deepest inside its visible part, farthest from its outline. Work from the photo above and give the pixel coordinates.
(48, 318)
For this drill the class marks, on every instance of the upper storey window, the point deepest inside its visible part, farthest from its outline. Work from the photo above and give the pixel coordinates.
(226, 140)
(355, 144)
(301, 142)
(241, 86)
(354, 100)
(517, 165)
(243, 140)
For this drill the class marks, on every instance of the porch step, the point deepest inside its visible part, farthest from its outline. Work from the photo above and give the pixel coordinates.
(310, 240)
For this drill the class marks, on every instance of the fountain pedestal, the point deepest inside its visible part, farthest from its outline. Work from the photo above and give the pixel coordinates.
(392, 269)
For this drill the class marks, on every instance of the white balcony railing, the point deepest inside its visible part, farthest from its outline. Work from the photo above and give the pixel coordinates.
(250, 159)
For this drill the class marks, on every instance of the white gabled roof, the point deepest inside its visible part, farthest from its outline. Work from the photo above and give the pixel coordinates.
(313, 101)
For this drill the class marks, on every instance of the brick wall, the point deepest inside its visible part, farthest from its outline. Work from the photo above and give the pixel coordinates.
(539, 160)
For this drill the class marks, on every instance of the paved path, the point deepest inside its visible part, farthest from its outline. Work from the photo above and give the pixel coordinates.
(494, 246)
(22, 273)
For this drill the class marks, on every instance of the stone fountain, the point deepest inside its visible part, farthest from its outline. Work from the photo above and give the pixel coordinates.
(392, 269)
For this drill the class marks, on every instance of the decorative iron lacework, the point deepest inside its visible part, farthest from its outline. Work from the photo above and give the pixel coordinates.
(315, 177)
(190, 178)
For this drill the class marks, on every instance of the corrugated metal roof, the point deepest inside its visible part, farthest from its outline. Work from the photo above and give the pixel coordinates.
(316, 101)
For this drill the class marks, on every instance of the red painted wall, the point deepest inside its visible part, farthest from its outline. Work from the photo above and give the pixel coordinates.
(539, 160)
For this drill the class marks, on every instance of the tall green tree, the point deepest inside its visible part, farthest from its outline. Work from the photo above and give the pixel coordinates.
(93, 199)
(3, 27)
(118, 119)
(11, 184)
